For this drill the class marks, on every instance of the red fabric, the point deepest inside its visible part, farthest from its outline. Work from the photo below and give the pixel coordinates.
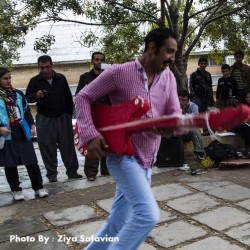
(103, 115)
(117, 123)
(15, 124)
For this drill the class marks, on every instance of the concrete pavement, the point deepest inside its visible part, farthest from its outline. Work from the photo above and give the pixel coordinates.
(208, 211)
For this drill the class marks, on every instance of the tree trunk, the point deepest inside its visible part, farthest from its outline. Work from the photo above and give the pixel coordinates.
(179, 68)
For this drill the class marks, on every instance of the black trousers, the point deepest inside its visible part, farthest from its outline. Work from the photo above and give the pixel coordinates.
(242, 95)
(244, 131)
(33, 172)
(91, 167)
(53, 133)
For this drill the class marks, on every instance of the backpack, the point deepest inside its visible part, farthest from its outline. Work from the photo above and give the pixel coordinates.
(218, 151)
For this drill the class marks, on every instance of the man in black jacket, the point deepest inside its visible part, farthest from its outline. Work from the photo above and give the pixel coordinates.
(200, 85)
(91, 165)
(50, 91)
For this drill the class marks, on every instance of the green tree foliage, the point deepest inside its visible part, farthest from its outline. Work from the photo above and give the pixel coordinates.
(123, 49)
(17, 17)
(125, 22)
(12, 31)
(44, 43)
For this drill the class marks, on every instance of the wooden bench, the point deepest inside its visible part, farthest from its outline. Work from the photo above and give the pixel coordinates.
(235, 162)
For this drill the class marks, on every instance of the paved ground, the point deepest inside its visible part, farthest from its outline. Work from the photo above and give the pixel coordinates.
(208, 211)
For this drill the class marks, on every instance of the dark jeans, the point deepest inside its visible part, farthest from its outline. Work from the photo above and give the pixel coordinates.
(33, 172)
(242, 95)
(196, 138)
(91, 167)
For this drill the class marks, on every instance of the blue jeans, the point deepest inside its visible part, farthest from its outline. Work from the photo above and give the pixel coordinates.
(134, 212)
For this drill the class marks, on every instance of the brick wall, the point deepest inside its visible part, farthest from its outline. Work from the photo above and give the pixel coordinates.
(22, 74)
(193, 65)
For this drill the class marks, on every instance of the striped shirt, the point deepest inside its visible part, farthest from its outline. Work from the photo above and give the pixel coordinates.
(123, 82)
(238, 78)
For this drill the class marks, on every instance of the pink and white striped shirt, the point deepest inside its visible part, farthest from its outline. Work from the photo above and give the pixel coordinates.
(123, 82)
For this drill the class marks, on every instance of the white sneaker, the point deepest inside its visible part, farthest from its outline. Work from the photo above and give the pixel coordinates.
(41, 193)
(18, 195)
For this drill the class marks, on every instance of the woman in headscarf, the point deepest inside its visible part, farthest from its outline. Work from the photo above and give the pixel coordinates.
(17, 149)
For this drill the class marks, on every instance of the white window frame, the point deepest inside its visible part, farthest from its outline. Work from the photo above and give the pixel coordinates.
(230, 60)
(212, 62)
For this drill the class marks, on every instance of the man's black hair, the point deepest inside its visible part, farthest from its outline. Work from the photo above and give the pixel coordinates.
(97, 53)
(202, 59)
(158, 36)
(239, 52)
(184, 93)
(225, 66)
(44, 58)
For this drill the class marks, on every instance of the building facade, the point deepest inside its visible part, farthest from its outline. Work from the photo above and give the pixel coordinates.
(72, 59)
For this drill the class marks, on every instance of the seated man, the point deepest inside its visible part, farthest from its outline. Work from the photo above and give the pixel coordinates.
(189, 107)
(244, 129)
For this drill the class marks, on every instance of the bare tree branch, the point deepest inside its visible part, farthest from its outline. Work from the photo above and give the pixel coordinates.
(167, 12)
(58, 19)
(229, 12)
(132, 9)
(185, 22)
(205, 10)
(208, 18)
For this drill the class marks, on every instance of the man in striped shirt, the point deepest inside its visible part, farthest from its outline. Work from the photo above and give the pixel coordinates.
(241, 73)
(134, 211)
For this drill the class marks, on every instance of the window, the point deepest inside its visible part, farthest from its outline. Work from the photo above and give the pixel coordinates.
(229, 60)
(212, 62)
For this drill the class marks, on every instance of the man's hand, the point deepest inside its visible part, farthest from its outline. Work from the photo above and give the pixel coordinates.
(184, 108)
(98, 148)
(39, 94)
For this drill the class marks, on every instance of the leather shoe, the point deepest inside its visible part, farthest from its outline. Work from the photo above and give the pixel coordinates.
(91, 178)
(105, 173)
(52, 179)
(74, 176)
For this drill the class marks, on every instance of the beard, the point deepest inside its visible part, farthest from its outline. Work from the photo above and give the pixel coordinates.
(47, 75)
(165, 64)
